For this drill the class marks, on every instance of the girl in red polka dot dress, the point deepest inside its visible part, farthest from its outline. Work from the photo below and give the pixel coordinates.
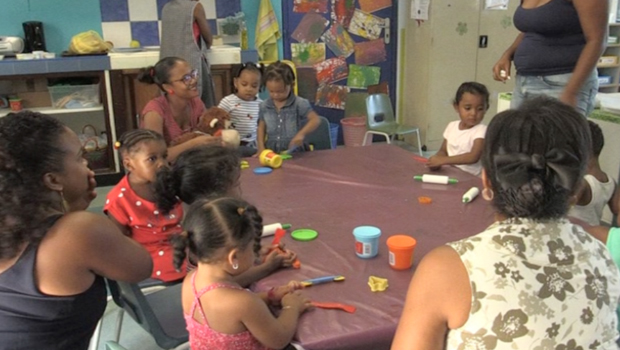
(131, 203)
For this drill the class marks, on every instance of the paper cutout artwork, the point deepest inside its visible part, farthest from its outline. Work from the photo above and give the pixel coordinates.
(306, 83)
(338, 40)
(355, 105)
(307, 54)
(342, 11)
(362, 76)
(370, 52)
(366, 25)
(310, 28)
(332, 96)
(331, 70)
(310, 6)
(374, 5)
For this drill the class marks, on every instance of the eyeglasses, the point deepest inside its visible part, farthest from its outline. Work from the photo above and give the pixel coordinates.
(187, 78)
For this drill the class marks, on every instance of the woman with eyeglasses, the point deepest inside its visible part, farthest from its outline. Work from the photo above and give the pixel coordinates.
(178, 110)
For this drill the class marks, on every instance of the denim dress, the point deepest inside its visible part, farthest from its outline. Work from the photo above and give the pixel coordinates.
(282, 126)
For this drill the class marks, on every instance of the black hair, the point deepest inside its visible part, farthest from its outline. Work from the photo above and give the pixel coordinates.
(473, 88)
(130, 141)
(535, 156)
(249, 66)
(200, 172)
(159, 74)
(30, 147)
(279, 71)
(211, 225)
(598, 140)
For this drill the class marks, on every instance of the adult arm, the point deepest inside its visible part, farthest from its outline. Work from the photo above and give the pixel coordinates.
(614, 202)
(311, 125)
(153, 121)
(505, 61)
(593, 19)
(438, 299)
(201, 19)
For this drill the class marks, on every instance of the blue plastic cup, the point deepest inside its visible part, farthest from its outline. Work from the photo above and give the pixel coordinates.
(366, 241)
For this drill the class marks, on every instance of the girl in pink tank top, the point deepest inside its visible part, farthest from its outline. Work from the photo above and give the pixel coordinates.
(223, 236)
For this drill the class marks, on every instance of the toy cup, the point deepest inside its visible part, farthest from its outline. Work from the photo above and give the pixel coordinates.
(270, 158)
(366, 241)
(400, 249)
(16, 104)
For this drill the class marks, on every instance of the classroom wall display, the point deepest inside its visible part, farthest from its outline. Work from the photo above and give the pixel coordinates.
(310, 29)
(342, 11)
(370, 52)
(338, 40)
(310, 5)
(374, 5)
(331, 70)
(310, 85)
(366, 25)
(332, 96)
(307, 54)
(362, 76)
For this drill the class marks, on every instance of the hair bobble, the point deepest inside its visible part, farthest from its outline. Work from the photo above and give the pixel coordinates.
(117, 145)
(241, 211)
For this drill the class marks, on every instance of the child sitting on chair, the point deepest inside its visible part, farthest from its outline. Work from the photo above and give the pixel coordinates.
(597, 188)
(464, 139)
(224, 236)
(284, 119)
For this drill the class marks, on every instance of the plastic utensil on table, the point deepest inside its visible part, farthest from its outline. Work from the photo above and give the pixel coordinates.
(270, 229)
(262, 170)
(304, 234)
(470, 194)
(325, 305)
(435, 179)
(325, 279)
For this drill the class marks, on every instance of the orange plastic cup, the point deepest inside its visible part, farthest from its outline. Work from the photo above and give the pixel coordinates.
(401, 249)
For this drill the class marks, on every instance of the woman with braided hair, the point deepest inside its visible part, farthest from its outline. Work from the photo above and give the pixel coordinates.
(532, 280)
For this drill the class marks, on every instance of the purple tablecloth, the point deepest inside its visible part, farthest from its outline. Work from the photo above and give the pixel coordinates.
(335, 191)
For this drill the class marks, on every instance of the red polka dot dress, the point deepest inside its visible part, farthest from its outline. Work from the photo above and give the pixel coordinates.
(148, 226)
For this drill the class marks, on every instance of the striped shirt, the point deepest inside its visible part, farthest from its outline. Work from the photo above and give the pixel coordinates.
(243, 115)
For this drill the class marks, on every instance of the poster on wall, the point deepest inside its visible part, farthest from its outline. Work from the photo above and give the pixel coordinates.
(307, 54)
(366, 25)
(374, 5)
(332, 96)
(362, 76)
(310, 6)
(310, 28)
(370, 52)
(308, 88)
(338, 40)
(331, 70)
(342, 11)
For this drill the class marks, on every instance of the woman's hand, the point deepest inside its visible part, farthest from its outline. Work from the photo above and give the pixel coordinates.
(206, 140)
(501, 69)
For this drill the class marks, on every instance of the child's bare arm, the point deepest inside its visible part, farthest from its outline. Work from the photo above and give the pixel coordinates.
(614, 202)
(260, 136)
(466, 158)
(311, 125)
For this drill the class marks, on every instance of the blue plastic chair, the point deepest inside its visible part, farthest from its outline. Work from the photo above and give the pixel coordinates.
(380, 120)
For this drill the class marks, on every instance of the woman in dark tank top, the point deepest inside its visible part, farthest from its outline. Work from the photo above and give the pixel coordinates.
(53, 254)
(557, 51)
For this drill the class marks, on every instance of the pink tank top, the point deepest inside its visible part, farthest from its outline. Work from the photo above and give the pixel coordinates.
(202, 337)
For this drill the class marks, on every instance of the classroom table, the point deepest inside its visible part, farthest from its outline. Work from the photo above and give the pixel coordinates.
(334, 191)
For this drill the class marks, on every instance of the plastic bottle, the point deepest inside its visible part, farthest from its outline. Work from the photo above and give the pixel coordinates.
(470, 194)
(270, 158)
(270, 229)
(435, 179)
(244, 37)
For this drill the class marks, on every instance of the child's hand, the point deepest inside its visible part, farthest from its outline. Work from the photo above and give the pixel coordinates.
(288, 257)
(435, 162)
(276, 294)
(274, 259)
(259, 149)
(296, 300)
(297, 141)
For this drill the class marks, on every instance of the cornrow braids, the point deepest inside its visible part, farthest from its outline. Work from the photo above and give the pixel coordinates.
(131, 140)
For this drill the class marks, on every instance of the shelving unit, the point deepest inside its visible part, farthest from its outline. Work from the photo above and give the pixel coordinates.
(50, 110)
(612, 70)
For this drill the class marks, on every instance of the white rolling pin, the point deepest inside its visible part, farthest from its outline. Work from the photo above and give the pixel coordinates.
(435, 179)
(269, 230)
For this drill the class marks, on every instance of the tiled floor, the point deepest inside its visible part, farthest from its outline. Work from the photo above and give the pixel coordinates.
(133, 337)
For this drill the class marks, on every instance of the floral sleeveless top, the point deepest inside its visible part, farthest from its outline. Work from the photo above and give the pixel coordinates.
(203, 337)
(538, 285)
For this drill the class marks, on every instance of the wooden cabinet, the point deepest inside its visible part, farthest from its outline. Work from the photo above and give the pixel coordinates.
(129, 96)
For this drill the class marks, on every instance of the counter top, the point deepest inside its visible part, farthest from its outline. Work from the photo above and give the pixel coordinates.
(225, 54)
(54, 65)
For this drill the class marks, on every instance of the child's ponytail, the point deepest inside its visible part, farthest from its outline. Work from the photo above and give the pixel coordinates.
(167, 187)
(180, 243)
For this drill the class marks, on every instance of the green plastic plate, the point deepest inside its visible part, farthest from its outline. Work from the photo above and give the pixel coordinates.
(304, 234)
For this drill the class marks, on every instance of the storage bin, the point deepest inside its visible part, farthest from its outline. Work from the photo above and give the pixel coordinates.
(353, 130)
(608, 60)
(75, 96)
(604, 79)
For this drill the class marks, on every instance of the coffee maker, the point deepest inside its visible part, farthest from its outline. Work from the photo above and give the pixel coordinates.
(34, 40)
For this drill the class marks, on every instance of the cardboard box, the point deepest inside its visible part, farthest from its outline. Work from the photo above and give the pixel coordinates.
(612, 39)
(604, 79)
(608, 60)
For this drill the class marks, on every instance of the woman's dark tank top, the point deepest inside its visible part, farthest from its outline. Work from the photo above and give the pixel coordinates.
(553, 39)
(32, 320)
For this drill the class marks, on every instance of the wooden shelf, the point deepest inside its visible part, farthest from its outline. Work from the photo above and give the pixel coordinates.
(608, 86)
(613, 45)
(608, 65)
(51, 110)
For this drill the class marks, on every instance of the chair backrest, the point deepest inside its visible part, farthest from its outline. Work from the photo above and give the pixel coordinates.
(130, 298)
(321, 137)
(379, 110)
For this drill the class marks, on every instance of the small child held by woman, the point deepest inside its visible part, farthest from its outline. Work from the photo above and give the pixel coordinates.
(464, 139)
(206, 173)
(223, 235)
(284, 119)
(243, 105)
(131, 203)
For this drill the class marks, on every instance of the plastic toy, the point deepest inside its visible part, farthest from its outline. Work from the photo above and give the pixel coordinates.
(276, 242)
(435, 179)
(270, 229)
(325, 279)
(304, 234)
(425, 200)
(323, 305)
(270, 158)
(377, 284)
(470, 194)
